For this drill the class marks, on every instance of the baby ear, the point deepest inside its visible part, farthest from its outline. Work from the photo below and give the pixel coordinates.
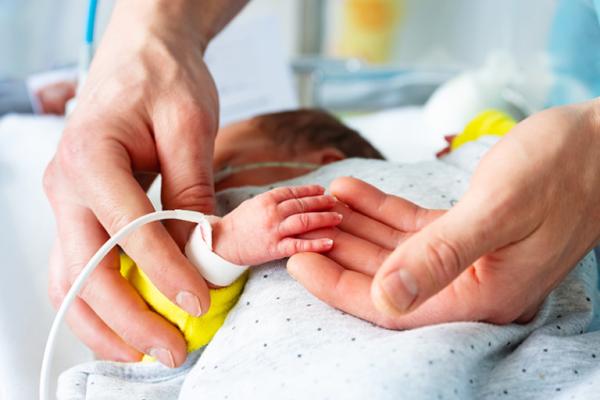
(327, 155)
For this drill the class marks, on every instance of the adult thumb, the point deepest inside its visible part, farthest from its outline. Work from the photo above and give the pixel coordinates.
(432, 258)
(185, 153)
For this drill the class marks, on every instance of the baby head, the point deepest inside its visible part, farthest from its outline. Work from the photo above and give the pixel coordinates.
(278, 146)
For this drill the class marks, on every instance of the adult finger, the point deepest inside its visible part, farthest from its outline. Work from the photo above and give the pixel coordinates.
(433, 257)
(328, 280)
(282, 194)
(361, 226)
(350, 290)
(289, 246)
(305, 204)
(125, 313)
(96, 335)
(306, 222)
(390, 210)
(84, 322)
(185, 141)
(129, 316)
(352, 252)
(116, 199)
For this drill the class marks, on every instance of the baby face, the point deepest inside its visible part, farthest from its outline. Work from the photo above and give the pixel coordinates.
(243, 143)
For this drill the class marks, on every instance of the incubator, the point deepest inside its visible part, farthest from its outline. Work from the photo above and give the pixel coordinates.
(350, 87)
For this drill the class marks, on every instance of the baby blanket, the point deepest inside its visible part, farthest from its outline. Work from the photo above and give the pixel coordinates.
(281, 342)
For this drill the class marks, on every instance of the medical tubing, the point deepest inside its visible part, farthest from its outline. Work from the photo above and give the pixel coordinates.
(182, 215)
(91, 22)
(86, 53)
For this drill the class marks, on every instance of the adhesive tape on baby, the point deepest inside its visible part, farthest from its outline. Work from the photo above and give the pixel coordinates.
(213, 268)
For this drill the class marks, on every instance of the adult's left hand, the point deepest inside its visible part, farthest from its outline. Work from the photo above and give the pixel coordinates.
(531, 212)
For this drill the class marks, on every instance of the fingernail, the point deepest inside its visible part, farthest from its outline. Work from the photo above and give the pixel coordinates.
(328, 242)
(400, 288)
(189, 303)
(164, 356)
(339, 216)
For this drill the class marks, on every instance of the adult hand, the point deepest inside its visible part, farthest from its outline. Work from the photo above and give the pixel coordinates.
(149, 106)
(530, 214)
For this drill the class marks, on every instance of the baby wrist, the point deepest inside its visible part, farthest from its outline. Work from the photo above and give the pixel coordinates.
(224, 240)
(200, 251)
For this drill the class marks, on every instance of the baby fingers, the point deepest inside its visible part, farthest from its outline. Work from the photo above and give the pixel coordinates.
(290, 246)
(305, 204)
(305, 222)
(293, 192)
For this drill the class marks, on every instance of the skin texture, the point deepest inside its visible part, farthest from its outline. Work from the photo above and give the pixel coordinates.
(53, 98)
(265, 227)
(243, 143)
(149, 106)
(530, 214)
(278, 215)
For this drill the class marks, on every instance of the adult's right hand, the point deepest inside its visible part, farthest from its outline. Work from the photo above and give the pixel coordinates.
(149, 106)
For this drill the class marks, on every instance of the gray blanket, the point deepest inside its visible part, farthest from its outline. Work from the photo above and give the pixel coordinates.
(280, 342)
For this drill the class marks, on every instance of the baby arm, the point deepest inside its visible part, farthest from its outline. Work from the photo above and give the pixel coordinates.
(266, 227)
(259, 230)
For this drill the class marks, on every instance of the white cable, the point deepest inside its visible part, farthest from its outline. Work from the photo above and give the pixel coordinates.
(182, 215)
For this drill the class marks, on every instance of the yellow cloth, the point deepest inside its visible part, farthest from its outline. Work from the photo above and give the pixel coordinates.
(198, 331)
(489, 122)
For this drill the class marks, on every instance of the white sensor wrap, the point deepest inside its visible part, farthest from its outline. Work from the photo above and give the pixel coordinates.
(199, 251)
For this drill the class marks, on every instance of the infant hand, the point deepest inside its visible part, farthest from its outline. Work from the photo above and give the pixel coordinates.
(265, 227)
(53, 98)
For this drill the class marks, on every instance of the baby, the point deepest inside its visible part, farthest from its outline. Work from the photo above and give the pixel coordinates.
(262, 150)
(309, 138)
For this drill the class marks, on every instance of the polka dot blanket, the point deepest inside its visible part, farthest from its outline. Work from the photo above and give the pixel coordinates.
(280, 342)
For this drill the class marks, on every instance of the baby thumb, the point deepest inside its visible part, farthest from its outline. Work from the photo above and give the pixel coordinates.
(432, 258)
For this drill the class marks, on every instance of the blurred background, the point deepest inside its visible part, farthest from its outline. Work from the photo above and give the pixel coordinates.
(346, 55)
(36, 35)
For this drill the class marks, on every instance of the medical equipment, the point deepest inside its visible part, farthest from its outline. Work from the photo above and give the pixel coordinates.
(87, 49)
(226, 172)
(213, 268)
(86, 52)
(500, 83)
(351, 86)
(196, 247)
